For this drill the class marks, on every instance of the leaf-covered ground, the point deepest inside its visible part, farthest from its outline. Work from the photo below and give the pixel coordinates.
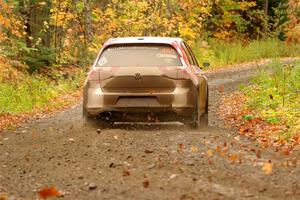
(268, 109)
(266, 134)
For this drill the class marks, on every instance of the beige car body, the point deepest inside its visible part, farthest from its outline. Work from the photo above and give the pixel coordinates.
(182, 91)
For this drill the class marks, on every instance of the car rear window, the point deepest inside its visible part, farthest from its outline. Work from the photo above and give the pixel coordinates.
(139, 56)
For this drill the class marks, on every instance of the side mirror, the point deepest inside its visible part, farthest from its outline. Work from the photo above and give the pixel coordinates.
(206, 64)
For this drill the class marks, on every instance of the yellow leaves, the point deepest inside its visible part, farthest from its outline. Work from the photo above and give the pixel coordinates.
(4, 22)
(61, 18)
(4, 5)
(267, 168)
(209, 153)
(43, 3)
(109, 13)
(194, 149)
(218, 149)
(60, 14)
(293, 27)
(233, 158)
(9, 21)
(245, 5)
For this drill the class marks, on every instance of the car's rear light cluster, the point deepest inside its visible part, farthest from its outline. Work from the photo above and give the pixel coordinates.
(94, 75)
(94, 78)
(182, 73)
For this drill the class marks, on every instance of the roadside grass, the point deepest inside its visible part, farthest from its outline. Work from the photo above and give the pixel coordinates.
(220, 54)
(23, 93)
(275, 97)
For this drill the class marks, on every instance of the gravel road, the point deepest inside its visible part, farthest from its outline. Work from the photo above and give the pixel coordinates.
(167, 161)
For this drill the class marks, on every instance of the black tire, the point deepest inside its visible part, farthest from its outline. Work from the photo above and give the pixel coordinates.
(207, 100)
(200, 121)
(103, 124)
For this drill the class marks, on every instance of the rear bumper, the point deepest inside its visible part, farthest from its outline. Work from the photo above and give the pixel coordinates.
(93, 112)
(180, 100)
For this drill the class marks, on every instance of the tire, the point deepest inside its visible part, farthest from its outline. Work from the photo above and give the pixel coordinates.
(105, 124)
(207, 100)
(200, 121)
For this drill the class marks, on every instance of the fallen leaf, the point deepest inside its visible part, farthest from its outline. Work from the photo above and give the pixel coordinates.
(92, 186)
(221, 89)
(146, 184)
(194, 149)
(173, 176)
(258, 153)
(218, 149)
(175, 161)
(148, 151)
(48, 192)
(237, 138)
(267, 168)
(209, 153)
(286, 152)
(180, 148)
(233, 158)
(151, 166)
(126, 172)
(223, 153)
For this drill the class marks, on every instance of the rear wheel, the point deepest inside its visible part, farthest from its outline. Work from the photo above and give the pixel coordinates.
(200, 120)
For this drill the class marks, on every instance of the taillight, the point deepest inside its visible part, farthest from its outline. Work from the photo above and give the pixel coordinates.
(182, 73)
(94, 78)
(94, 75)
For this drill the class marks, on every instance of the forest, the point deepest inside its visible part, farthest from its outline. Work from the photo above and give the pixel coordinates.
(61, 32)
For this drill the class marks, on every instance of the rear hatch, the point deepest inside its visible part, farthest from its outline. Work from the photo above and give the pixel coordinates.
(138, 68)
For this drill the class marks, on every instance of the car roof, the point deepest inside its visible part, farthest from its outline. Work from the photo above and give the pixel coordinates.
(142, 40)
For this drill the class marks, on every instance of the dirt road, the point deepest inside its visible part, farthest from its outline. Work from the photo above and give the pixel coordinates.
(144, 161)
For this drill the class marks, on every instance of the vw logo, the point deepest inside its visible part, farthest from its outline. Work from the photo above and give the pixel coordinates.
(138, 76)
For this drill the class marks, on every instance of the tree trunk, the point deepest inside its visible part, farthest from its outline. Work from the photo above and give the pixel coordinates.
(266, 20)
(87, 22)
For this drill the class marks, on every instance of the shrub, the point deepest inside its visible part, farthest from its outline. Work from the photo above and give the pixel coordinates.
(276, 95)
(221, 53)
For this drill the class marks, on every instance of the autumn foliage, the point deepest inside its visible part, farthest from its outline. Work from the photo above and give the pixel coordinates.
(293, 27)
(44, 33)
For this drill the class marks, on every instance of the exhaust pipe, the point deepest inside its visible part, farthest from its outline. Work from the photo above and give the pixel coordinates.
(106, 116)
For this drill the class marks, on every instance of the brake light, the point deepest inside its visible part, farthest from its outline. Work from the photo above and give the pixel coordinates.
(93, 75)
(182, 73)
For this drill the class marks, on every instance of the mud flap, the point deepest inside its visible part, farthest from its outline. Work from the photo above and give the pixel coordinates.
(87, 120)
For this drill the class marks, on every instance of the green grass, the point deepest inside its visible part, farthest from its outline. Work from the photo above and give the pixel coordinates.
(33, 92)
(220, 53)
(276, 96)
